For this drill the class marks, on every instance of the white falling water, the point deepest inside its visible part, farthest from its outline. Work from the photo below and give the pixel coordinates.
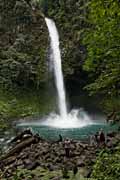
(54, 40)
(77, 118)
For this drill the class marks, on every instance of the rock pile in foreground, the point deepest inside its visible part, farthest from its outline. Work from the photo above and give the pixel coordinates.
(30, 151)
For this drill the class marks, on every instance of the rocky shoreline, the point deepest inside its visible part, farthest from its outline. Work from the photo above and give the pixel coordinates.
(30, 151)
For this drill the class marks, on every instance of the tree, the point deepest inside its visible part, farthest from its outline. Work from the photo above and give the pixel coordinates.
(102, 40)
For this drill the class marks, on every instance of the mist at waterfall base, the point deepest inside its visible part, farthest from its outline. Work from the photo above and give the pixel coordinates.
(65, 122)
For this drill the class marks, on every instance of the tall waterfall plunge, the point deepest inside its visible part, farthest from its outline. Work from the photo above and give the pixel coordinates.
(76, 118)
(54, 38)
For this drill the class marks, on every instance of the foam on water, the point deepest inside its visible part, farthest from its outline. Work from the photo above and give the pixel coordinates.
(75, 119)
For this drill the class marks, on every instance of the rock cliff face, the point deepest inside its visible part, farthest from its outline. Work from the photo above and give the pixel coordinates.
(23, 44)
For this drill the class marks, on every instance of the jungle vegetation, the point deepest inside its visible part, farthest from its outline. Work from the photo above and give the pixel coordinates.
(90, 46)
(89, 40)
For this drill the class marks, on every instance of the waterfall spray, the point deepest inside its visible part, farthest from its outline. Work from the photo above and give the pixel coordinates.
(76, 118)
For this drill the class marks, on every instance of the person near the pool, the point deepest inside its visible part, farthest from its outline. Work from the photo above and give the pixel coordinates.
(67, 144)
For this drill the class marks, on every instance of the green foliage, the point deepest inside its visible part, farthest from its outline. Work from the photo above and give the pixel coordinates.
(24, 48)
(23, 45)
(107, 166)
(112, 104)
(24, 42)
(23, 103)
(70, 18)
(65, 173)
(102, 40)
(23, 174)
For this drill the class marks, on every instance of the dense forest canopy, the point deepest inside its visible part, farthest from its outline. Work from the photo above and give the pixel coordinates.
(90, 48)
(103, 49)
(89, 40)
(103, 45)
(23, 45)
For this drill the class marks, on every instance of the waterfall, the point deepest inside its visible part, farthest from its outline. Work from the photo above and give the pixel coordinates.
(56, 55)
(76, 118)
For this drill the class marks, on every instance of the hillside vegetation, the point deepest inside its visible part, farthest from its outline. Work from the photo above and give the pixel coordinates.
(89, 40)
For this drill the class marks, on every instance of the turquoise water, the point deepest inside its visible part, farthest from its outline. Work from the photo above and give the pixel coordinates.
(76, 133)
(50, 133)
